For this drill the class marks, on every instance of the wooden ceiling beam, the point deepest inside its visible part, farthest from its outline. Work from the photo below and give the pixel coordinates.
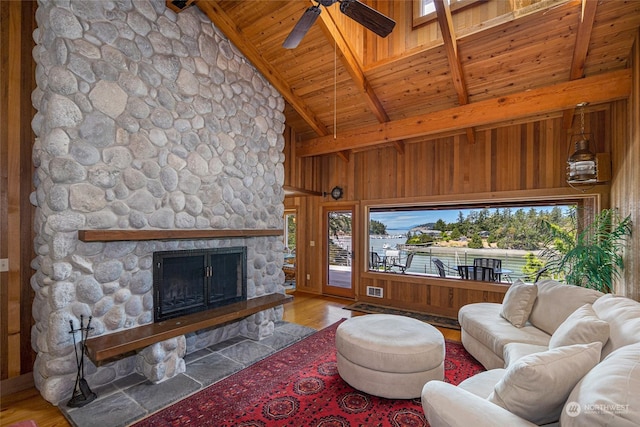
(602, 88)
(445, 22)
(399, 146)
(583, 37)
(522, 13)
(352, 65)
(354, 68)
(443, 14)
(217, 15)
(344, 155)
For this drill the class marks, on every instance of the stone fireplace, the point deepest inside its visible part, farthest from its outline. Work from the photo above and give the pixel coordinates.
(146, 120)
(186, 282)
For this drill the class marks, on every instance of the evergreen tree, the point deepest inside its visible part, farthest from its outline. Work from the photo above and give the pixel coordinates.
(291, 231)
(339, 223)
(455, 234)
(476, 242)
(532, 266)
(377, 228)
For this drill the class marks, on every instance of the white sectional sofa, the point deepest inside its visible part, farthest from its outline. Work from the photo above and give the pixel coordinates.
(554, 353)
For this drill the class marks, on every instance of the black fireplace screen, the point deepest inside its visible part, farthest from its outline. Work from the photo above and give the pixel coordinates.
(189, 281)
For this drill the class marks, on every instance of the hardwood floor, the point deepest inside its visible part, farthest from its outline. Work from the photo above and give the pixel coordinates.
(314, 311)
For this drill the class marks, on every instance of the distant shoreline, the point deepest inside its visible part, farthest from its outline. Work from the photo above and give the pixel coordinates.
(472, 251)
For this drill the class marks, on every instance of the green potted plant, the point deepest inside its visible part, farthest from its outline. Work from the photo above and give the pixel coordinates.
(591, 257)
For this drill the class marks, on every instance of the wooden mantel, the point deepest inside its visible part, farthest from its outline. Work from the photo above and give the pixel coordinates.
(134, 235)
(108, 346)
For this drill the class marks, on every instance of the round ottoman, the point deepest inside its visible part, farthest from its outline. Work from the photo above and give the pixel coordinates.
(389, 356)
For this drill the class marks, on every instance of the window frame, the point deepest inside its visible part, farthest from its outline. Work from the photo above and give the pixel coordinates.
(454, 5)
(592, 201)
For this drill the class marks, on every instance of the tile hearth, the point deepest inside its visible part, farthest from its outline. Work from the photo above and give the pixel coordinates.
(132, 398)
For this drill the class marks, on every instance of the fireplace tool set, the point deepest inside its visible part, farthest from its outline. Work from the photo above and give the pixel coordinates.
(82, 394)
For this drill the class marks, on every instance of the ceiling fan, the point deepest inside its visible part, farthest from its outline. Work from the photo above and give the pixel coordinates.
(354, 9)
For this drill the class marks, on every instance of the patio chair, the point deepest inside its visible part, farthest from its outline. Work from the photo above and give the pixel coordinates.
(475, 272)
(442, 269)
(532, 277)
(494, 263)
(375, 262)
(391, 257)
(403, 267)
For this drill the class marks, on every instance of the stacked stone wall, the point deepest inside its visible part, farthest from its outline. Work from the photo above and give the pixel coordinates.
(146, 119)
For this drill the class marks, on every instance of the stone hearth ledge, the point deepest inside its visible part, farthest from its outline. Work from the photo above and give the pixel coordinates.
(132, 398)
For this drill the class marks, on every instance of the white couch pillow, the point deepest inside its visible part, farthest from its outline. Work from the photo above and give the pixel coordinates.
(518, 302)
(623, 316)
(555, 301)
(537, 386)
(583, 326)
(608, 394)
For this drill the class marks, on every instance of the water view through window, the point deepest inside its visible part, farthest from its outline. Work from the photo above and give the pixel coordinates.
(437, 241)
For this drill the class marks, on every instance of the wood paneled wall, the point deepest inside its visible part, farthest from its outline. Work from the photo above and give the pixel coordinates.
(625, 186)
(442, 297)
(522, 160)
(519, 157)
(300, 172)
(17, 22)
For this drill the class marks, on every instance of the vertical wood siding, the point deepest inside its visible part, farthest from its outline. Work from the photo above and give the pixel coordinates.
(625, 186)
(518, 159)
(16, 213)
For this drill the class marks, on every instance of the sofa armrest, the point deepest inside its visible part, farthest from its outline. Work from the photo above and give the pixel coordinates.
(446, 405)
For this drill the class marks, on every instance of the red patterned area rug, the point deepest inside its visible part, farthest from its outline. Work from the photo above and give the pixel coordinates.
(300, 387)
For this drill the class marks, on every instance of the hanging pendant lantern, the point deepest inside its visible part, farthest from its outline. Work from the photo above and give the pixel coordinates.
(581, 165)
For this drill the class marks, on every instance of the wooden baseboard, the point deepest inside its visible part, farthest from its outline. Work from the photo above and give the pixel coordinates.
(16, 384)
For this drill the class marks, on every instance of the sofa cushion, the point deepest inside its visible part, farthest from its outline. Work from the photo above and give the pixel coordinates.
(581, 327)
(556, 301)
(516, 350)
(623, 316)
(481, 352)
(483, 383)
(536, 386)
(446, 405)
(608, 394)
(517, 302)
(483, 322)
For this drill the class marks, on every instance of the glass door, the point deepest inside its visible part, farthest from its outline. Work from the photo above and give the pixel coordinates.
(340, 242)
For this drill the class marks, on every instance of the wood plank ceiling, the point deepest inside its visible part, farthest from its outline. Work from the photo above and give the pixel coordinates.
(490, 62)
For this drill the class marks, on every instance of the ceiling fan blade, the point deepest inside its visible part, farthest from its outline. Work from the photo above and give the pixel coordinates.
(302, 26)
(370, 18)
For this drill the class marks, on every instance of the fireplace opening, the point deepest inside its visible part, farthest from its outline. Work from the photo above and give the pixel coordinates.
(189, 281)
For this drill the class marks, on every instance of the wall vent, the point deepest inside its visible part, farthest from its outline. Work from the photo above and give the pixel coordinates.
(373, 291)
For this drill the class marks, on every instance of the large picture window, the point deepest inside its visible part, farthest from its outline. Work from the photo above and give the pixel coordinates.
(500, 242)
